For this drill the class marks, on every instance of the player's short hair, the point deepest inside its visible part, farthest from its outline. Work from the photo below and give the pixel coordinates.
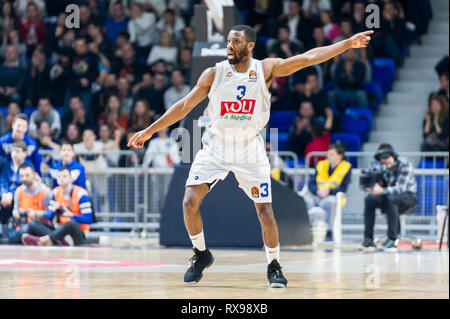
(250, 33)
(20, 145)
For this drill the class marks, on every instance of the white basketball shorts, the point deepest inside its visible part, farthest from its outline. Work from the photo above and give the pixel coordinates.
(253, 177)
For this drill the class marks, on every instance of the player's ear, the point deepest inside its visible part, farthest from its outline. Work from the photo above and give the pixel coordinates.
(251, 45)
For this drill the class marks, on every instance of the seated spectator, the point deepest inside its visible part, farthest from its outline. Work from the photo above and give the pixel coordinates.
(284, 47)
(332, 176)
(9, 181)
(178, 90)
(44, 138)
(124, 94)
(38, 79)
(188, 38)
(84, 73)
(21, 7)
(32, 29)
(13, 38)
(19, 134)
(76, 169)
(8, 19)
(127, 65)
(170, 23)
(161, 151)
(182, 8)
(349, 76)
(390, 38)
(300, 132)
(300, 26)
(330, 28)
(359, 16)
(71, 205)
(13, 110)
(141, 28)
(318, 97)
(76, 115)
(72, 134)
(185, 63)
(142, 116)
(155, 93)
(346, 30)
(117, 22)
(31, 200)
(113, 116)
(100, 45)
(95, 162)
(45, 113)
(60, 73)
(105, 133)
(435, 126)
(12, 77)
(165, 50)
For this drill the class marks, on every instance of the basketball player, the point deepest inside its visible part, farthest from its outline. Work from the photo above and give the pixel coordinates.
(239, 108)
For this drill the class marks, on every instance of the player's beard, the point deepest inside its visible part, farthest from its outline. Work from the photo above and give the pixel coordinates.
(238, 58)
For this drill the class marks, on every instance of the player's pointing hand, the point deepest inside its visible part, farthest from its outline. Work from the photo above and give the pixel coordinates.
(361, 40)
(139, 138)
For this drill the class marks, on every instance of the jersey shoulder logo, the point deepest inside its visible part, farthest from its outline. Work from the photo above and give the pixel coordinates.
(252, 76)
(229, 74)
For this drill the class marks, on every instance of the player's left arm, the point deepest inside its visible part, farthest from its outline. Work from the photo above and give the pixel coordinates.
(277, 67)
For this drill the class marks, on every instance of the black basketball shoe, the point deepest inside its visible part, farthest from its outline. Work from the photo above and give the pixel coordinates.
(368, 245)
(200, 261)
(275, 275)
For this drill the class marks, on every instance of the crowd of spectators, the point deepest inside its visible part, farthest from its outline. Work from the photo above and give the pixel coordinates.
(435, 123)
(129, 61)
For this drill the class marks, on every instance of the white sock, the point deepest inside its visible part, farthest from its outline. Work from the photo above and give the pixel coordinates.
(272, 253)
(198, 241)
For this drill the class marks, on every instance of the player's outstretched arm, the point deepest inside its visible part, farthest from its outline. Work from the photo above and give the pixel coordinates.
(177, 111)
(285, 67)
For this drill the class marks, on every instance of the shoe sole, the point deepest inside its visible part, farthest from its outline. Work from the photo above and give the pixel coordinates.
(389, 250)
(192, 283)
(277, 285)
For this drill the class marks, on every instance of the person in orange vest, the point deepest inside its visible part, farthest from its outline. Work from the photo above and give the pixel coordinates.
(31, 200)
(71, 205)
(333, 175)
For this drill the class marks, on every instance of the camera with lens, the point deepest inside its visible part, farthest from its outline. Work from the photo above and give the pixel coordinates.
(22, 220)
(369, 177)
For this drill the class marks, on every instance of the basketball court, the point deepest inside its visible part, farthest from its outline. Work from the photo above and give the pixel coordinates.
(142, 270)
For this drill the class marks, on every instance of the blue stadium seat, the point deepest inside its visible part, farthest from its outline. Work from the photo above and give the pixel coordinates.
(429, 163)
(282, 120)
(358, 125)
(60, 110)
(327, 86)
(375, 89)
(383, 71)
(4, 110)
(351, 142)
(29, 110)
(431, 191)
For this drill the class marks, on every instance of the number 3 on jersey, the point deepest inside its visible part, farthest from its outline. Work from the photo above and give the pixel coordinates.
(241, 88)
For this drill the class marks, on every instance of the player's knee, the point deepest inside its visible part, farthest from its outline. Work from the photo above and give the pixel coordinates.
(190, 204)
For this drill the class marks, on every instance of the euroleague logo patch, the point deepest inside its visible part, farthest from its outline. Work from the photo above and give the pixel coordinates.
(229, 74)
(255, 192)
(252, 76)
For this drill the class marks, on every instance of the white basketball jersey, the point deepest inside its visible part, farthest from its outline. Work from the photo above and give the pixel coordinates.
(239, 104)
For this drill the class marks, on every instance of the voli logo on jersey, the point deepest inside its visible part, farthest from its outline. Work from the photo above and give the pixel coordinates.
(244, 106)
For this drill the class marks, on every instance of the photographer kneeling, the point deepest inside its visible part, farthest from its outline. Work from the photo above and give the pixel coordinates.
(72, 206)
(391, 186)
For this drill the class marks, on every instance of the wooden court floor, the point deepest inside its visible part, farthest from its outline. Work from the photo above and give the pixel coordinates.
(156, 272)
